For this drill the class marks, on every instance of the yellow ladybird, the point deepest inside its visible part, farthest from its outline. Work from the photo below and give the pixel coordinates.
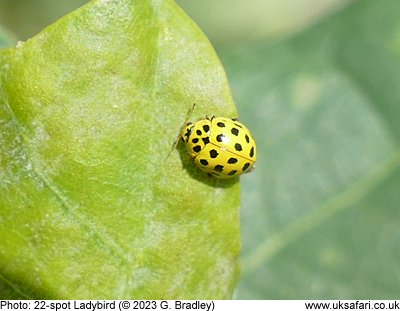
(221, 147)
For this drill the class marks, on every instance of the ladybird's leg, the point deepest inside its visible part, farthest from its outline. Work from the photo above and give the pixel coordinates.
(174, 145)
(180, 137)
(251, 169)
(208, 118)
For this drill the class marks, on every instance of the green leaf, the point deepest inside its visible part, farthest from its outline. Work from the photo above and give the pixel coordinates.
(320, 214)
(93, 203)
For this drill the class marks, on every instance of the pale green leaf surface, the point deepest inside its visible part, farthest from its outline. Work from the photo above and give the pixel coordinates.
(92, 203)
(320, 214)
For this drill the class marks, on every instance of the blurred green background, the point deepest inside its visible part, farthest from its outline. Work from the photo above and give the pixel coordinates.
(317, 82)
(225, 22)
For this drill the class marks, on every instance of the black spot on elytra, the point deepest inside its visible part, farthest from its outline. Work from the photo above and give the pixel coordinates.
(238, 125)
(232, 160)
(206, 140)
(238, 147)
(187, 134)
(247, 138)
(204, 162)
(221, 124)
(218, 168)
(235, 131)
(213, 153)
(198, 132)
(245, 167)
(231, 173)
(195, 140)
(196, 148)
(252, 152)
(206, 128)
(220, 138)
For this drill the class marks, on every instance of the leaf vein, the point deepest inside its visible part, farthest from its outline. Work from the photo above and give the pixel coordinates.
(111, 245)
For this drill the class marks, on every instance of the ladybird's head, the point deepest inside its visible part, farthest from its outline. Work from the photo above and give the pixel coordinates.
(186, 131)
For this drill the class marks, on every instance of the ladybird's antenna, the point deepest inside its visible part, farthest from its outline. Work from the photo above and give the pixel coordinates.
(190, 112)
(175, 144)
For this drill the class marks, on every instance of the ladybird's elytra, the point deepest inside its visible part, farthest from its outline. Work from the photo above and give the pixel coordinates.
(221, 147)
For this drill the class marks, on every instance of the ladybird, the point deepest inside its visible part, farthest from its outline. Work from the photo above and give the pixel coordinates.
(221, 147)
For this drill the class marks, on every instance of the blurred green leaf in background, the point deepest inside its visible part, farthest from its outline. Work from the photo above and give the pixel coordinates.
(320, 214)
(233, 22)
(6, 38)
(26, 18)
